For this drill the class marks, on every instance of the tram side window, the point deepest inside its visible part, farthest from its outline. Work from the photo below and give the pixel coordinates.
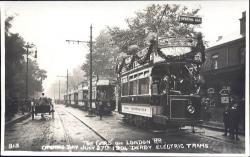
(80, 95)
(94, 95)
(133, 87)
(85, 95)
(155, 90)
(125, 89)
(144, 86)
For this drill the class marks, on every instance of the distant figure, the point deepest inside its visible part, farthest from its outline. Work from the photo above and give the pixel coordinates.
(234, 118)
(100, 108)
(226, 120)
(242, 112)
(32, 104)
(41, 102)
(207, 112)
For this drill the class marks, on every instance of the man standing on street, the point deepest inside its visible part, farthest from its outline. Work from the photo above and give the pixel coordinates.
(100, 109)
(226, 120)
(234, 118)
(42, 101)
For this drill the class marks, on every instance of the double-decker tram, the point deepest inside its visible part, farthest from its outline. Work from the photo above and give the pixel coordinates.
(72, 95)
(103, 89)
(83, 96)
(160, 84)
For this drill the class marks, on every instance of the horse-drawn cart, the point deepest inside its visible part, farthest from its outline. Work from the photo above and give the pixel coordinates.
(43, 106)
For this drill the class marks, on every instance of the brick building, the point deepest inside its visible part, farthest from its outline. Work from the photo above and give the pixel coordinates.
(224, 70)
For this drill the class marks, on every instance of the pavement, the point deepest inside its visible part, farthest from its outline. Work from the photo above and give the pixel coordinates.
(17, 118)
(218, 126)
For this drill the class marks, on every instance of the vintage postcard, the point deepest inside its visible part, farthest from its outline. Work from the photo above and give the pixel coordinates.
(125, 78)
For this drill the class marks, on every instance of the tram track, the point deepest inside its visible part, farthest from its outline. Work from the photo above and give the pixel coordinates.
(66, 134)
(93, 130)
(198, 133)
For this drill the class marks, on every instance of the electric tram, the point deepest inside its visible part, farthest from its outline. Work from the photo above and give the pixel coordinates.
(160, 84)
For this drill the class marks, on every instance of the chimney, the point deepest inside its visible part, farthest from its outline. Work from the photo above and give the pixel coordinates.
(243, 24)
(219, 38)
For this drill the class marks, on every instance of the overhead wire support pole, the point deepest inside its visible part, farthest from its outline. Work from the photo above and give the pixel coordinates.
(90, 73)
(67, 77)
(67, 85)
(90, 113)
(59, 93)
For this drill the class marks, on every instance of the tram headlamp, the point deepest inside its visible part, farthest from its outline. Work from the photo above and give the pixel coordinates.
(191, 109)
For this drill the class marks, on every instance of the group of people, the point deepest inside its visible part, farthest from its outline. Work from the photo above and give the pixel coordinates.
(231, 118)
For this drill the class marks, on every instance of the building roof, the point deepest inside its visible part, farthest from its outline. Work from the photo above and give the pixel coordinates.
(227, 38)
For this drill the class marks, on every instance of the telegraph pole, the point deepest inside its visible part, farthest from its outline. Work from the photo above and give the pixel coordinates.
(27, 46)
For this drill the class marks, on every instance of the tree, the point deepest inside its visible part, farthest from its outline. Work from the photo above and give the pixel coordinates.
(155, 18)
(76, 78)
(14, 62)
(36, 76)
(15, 68)
(113, 42)
(103, 56)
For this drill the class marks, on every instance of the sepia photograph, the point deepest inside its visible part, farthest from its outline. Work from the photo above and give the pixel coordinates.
(125, 78)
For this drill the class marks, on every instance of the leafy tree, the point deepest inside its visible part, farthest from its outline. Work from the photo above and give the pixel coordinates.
(36, 76)
(14, 62)
(76, 78)
(15, 68)
(155, 18)
(103, 56)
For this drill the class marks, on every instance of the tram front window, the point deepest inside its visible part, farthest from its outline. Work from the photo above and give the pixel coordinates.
(172, 80)
(105, 93)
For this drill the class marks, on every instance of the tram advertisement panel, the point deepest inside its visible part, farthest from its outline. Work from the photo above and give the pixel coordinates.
(137, 110)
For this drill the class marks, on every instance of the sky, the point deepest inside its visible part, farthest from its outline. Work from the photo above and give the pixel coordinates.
(49, 24)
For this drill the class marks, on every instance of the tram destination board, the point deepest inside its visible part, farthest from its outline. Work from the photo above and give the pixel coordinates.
(190, 20)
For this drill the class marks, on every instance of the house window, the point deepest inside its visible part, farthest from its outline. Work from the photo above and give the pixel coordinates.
(242, 55)
(215, 61)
